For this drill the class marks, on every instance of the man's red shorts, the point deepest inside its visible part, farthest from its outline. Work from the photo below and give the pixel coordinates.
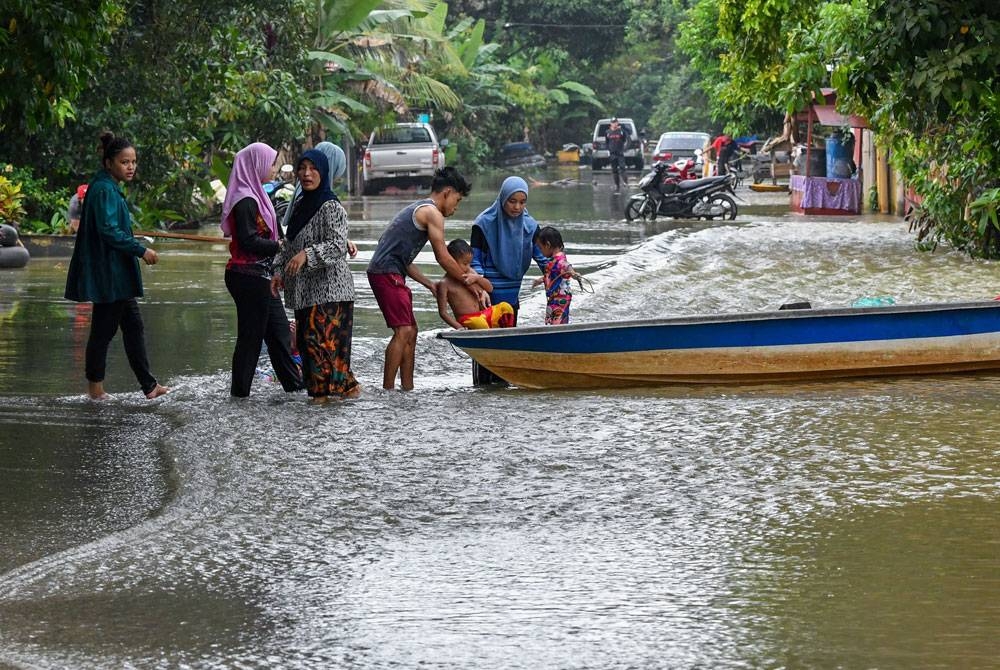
(394, 298)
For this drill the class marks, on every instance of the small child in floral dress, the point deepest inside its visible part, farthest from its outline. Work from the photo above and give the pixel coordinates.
(557, 276)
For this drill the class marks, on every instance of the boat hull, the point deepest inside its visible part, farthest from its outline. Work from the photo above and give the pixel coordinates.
(744, 348)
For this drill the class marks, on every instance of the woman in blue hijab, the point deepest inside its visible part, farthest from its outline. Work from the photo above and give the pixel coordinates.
(337, 162)
(313, 270)
(502, 246)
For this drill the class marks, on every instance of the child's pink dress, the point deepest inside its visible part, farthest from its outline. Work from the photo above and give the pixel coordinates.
(558, 273)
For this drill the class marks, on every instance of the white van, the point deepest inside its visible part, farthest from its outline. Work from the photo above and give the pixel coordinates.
(633, 154)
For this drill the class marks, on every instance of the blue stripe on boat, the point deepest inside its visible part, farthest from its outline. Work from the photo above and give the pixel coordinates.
(744, 330)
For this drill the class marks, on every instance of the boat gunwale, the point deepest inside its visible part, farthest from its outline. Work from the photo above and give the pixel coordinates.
(730, 317)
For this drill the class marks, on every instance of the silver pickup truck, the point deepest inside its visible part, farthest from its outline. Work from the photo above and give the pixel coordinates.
(402, 155)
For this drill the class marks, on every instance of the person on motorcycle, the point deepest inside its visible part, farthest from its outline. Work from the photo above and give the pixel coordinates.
(616, 139)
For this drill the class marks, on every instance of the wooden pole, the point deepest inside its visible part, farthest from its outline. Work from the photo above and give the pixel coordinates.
(182, 236)
(809, 140)
(882, 180)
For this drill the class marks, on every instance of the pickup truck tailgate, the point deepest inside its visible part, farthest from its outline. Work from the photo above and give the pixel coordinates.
(402, 157)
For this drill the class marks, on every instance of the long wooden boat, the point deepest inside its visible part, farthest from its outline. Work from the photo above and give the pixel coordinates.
(760, 347)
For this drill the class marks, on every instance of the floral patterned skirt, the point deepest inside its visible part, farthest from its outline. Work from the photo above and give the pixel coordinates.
(323, 334)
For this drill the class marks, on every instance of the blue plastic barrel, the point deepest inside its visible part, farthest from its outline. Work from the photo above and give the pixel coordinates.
(838, 158)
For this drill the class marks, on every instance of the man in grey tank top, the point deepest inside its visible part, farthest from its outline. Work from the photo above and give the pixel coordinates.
(392, 262)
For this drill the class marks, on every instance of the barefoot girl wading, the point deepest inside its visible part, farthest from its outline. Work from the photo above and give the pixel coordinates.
(105, 270)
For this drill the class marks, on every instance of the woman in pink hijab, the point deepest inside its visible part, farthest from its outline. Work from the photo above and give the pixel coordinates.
(249, 221)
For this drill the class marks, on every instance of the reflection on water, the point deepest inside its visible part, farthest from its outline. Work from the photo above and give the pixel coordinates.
(845, 524)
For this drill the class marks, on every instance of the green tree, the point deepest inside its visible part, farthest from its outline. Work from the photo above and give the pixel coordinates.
(580, 37)
(925, 60)
(753, 59)
(666, 91)
(49, 53)
(589, 31)
(483, 86)
(759, 38)
(922, 71)
(187, 81)
(925, 74)
(409, 56)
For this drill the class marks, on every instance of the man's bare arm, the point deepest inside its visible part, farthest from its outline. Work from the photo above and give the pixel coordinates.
(432, 219)
(414, 273)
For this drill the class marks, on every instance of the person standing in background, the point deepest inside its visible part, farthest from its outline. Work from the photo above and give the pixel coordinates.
(75, 208)
(616, 139)
(719, 145)
(726, 153)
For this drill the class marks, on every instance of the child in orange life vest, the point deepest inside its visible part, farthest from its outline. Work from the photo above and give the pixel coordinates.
(557, 276)
(468, 313)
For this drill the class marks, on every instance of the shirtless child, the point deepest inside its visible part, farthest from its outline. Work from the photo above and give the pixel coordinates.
(452, 293)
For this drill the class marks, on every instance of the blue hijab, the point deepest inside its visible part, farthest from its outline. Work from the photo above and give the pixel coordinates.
(309, 203)
(338, 165)
(509, 239)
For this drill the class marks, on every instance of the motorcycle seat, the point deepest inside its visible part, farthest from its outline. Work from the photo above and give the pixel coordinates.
(691, 184)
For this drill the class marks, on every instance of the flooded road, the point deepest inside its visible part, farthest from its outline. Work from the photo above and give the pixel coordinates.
(847, 524)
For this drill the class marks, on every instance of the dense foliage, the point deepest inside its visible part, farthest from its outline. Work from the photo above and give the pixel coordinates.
(183, 80)
(191, 82)
(922, 71)
(928, 82)
(49, 53)
(187, 80)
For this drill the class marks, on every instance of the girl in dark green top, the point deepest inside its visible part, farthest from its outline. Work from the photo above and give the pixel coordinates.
(104, 270)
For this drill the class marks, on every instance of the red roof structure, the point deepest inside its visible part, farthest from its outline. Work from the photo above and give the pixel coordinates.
(826, 113)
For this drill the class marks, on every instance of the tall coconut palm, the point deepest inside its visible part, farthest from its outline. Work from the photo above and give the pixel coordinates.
(373, 56)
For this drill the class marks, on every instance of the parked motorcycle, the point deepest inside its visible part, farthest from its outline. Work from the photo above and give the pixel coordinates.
(681, 170)
(281, 190)
(708, 198)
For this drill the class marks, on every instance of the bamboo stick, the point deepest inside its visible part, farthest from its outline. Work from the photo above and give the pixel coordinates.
(182, 236)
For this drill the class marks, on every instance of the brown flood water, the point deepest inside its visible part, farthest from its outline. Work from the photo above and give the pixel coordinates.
(849, 524)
